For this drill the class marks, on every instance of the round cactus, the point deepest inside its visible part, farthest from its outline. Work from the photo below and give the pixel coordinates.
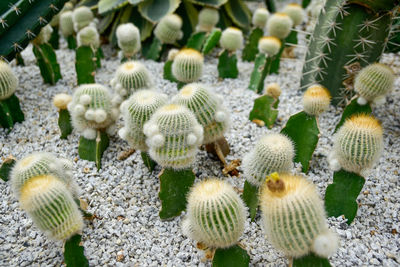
(279, 25)
(294, 217)
(44, 35)
(269, 45)
(215, 214)
(295, 12)
(172, 54)
(260, 17)
(316, 100)
(208, 109)
(173, 136)
(91, 109)
(273, 153)
(61, 101)
(373, 82)
(89, 36)
(81, 16)
(51, 207)
(358, 144)
(8, 81)
(136, 111)
(66, 24)
(187, 65)
(273, 90)
(208, 18)
(128, 36)
(231, 39)
(168, 30)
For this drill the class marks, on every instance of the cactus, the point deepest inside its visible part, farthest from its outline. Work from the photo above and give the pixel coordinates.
(88, 36)
(316, 100)
(8, 81)
(259, 20)
(168, 65)
(208, 18)
(348, 33)
(296, 13)
(373, 82)
(67, 28)
(61, 101)
(265, 109)
(294, 217)
(81, 17)
(187, 65)
(231, 40)
(128, 36)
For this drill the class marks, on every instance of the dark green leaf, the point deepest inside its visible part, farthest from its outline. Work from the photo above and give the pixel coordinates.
(196, 41)
(47, 62)
(227, 65)
(168, 72)
(303, 130)
(105, 22)
(270, 4)
(352, 109)
(212, 3)
(6, 168)
(305, 3)
(251, 48)
(71, 41)
(15, 108)
(239, 13)
(106, 6)
(174, 185)
(153, 50)
(148, 161)
(250, 198)
(64, 122)
(211, 41)
(143, 24)
(233, 256)
(93, 150)
(6, 119)
(291, 39)
(85, 64)
(277, 61)
(155, 10)
(74, 255)
(341, 195)
(135, 2)
(311, 260)
(189, 16)
(224, 19)
(264, 110)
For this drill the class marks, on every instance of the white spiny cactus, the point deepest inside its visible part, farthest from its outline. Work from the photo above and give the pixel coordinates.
(88, 36)
(231, 39)
(295, 12)
(128, 37)
(61, 101)
(44, 35)
(260, 17)
(188, 65)
(316, 100)
(273, 90)
(8, 81)
(66, 24)
(208, 18)
(279, 25)
(82, 16)
(269, 45)
(168, 30)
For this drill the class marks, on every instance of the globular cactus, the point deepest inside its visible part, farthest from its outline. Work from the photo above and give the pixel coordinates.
(44, 35)
(373, 82)
(269, 45)
(8, 81)
(172, 53)
(358, 144)
(168, 30)
(89, 36)
(279, 25)
(188, 65)
(82, 16)
(128, 37)
(61, 101)
(215, 214)
(51, 206)
(295, 12)
(91, 110)
(231, 39)
(130, 77)
(208, 18)
(273, 153)
(136, 111)
(294, 217)
(208, 109)
(316, 100)
(173, 136)
(66, 24)
(273, 90)
(260, 17)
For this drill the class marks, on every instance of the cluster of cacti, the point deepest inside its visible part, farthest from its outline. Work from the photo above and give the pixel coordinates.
(187, 65)
(231, 40)
(128, 36)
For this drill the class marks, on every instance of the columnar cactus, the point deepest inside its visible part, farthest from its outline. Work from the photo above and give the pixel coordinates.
(295, 12)
(358, 144)
(279, 25)
(173, 136)
(188, 65)
(89, 36)
(260, 17)
(373, 82)
(316, 100)
(215, 214)
(8, 81)
(128, 37)
(208, 109)
(231, 39)
(82, 16)
(168, 30)
(294, 217)
(136, 111)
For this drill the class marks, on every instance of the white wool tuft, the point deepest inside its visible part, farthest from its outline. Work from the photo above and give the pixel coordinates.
(157, 140)
(90, 115)
(362, 101)
(79, 110)
(191, 139)
(100, 115)
(123, 133)
(220, 116)
(326, 244)
(85, 99)
(334, 164)
(89, 133)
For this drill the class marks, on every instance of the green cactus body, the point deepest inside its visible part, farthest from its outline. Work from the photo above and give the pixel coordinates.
(168, 30)
(8, 81)
(208, 18)
(208, 109)
(187, 65)
(347, 33)
(279, 25)
(215, 214)
(136, 111)
(51, 207)
(128, 36)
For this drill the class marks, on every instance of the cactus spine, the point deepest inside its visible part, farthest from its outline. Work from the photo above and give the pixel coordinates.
(187, 65)
(316, 100)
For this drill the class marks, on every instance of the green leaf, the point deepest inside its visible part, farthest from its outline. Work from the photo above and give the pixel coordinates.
(15, 108)
(311, 260)
(6, 168)
(251, 48)
(168, 72)
(189, 15)
(264, 109)
(305, 3)
(352, 109)
(64, 122)
(233, 256)
(143, 24)
(148, 161)
(93, 150)
(341, 195)
(153, 50)
(211, 3)
(211, 41)
(224, 19)
(227, 65)
(155, 10)
(71, 41)
(135, 2)
(196, 41)
(262, 65)
(74, 255)
(270, 4)
(47, 62)
(239, 13)
(6, 119)
(174, 185)
(85, 65)
(250, 198)
(277, 61)
(105, 6)
(303, 130)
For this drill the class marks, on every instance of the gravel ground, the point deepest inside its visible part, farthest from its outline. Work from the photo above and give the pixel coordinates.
(124, 195)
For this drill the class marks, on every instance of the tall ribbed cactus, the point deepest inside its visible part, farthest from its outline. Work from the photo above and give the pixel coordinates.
(347, 33)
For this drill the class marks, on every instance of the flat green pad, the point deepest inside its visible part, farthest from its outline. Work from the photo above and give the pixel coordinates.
(264, 109)
(233, 256)
(352, 109)
(47, 61)
(5, 169)
(227, 65)
(211, 41)
(341, 195)
(311, 260)
(10, 112)
(256, 78)
(153, 50)
(250, 198)
(303, 130)
(251, 48)
(64, 122)
(196, 41)
(168, 72)
(174, 185)
(148, 161)
(74, 255)
(93, 150)
(85, 64)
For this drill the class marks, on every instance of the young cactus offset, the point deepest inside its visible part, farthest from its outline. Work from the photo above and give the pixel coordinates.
(294, 217)
(167, 75)
(215, 217)
(231, 40)
(208, 18)
(82, 16)
(128, 37)
(259, 20)
(316, 100)
(187, 65)
(61, 101)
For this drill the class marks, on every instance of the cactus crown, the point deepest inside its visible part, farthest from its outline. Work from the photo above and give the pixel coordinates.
(82, 16)
(172, 54)
(89, 36)
(136, 111)
(188, 65)
(269, 45)
(295, 12)
(128, 36)
(294, 217)
(231, 39)
(44, 35)
(316, 100)
(216, 214)
(208, 18)
(8, 81)
(260, 17)
(208, 109)
(168, 30)
(279, 25)
(61, 101)
(273, 153)
(66, 24)
(273, 90)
